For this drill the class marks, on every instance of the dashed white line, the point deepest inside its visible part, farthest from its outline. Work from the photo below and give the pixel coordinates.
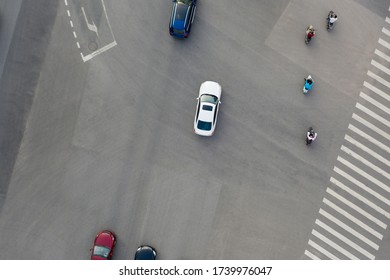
(346, 241)
(71, 23)
(311, 255)
(372, 114)
(357, 208)
(74, 34)
(66, 3)
(366, 162)
(353, 219)
(369, 138)
(332, 244)
(382, 55)
(364, 174)
(78, 44)
(379, 79)
(349, 229)
(322, 250)
(68, 13)
(387, 20)
(360, 197)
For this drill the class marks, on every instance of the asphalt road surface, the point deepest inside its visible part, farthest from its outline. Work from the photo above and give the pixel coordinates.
(97, 107)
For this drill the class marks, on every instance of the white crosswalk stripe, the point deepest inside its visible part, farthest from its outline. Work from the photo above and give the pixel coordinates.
(345, 240)
(371, 126)
(353, 219)
(356, 207)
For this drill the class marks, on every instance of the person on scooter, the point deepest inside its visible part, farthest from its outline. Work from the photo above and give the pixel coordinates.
(309, 83)
(311, 135)
(332, 17)
(310, 32)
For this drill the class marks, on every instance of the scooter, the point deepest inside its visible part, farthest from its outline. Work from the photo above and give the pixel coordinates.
(307, 37)
(311, 135)
(329, 25)
(308, 84)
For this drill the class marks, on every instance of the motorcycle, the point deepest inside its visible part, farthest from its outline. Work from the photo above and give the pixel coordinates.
(310, 32)
(308, 84)
(329, 23)
(311, 135)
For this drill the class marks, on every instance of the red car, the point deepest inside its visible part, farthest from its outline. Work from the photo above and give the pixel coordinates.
(103, 246)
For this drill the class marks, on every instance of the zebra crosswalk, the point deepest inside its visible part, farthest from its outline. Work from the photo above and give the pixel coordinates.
(355, 211)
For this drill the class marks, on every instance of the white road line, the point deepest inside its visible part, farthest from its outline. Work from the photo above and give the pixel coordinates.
(71, 23)
(372, 114)
(374, 102)
(367, 150)
(387, 19)
(357, 208)
(99, 51)
(332, 244)
(78, 44)
(74, 34)
(346, 241)
(311, 255)
(322, 250)
(371, 126)
(66, 3)
(384, 43)
(353, 219)
(366, 162)
(387, 32)
(360, 197)
(349, 229)
(382, 55)
(377, 91)
(364, 174)
(369, 138)
(108, 22)
(380, 67)
(379, 79)
(67, 11)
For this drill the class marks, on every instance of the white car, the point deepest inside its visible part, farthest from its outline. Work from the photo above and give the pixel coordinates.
(207, 108)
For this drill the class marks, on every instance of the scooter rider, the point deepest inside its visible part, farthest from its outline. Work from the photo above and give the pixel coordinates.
(311, 135)
(310, 32)
(332, 17)
(309, 82)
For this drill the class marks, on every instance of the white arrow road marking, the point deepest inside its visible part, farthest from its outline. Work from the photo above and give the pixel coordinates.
(92, 26)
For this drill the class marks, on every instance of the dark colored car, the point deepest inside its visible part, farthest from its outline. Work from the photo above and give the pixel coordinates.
(183, 13)
(145, 252)
(103, 246)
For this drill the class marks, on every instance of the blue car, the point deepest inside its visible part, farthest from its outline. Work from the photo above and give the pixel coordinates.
(183, 13)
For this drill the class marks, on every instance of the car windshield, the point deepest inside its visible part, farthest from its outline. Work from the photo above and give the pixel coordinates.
(101, 251)
(181, 11)
(209, 98)
(204, 125)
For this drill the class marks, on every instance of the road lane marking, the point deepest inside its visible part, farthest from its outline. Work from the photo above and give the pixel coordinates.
(349, 229)
(346, 241)
(385, 31)
(371, 126)
(352, 218)
(357, 208)
(384, 43)
(382, 55)
(369, 138)
(311, 255)
(374, 102)
(360, 197)
(99, 51)
(67, 11)
(380, 67)
(364, 161)
(331, 243)
(377, 91)
(367, 150)
(92, 26)
(372, 114)
(322, 250)
(379, 79)
(364, 174)
(78, 44)
(387, 19)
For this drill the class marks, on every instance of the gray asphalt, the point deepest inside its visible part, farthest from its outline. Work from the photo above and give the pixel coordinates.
(109, 144)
